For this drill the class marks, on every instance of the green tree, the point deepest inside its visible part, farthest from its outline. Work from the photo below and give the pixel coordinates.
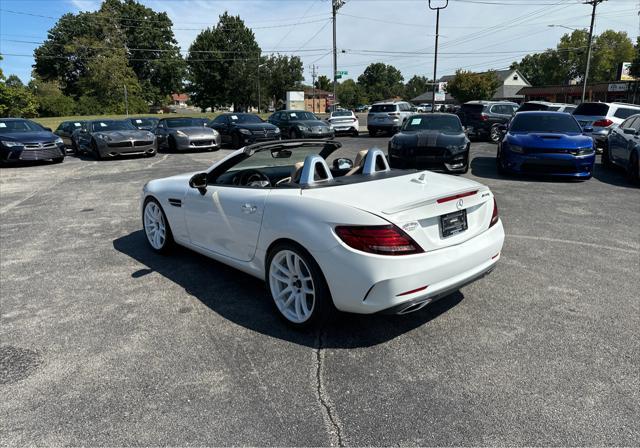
(51, 101)
(14, 81)
(351, 94)
(416, 86)
(610, 49)
(223, 64)
(467, 86)
(381, 81)
(542, 68)
(104, 83)
(280, 74)
(15, 99)
(324, 83)
(152, 50)
(71, 45)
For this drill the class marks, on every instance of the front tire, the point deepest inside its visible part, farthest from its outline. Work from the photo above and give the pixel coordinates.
(294, 134)
(299, 291)
(156, 227)
(633, 168)
(235, 141)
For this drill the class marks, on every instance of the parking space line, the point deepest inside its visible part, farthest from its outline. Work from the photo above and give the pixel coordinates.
(579, 243)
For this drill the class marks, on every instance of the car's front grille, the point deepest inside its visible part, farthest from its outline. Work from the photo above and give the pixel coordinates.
(41, 154)
(202, 142)
(127, 144)
(143, 143)
(37, 146)
(263, 134)
(530, 150)
(558, 167)
(320, 129)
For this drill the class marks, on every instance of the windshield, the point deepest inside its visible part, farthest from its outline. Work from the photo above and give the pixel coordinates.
(533, 106)
(598, 109)
(383, 108)
(111, 125)
(301, 115)
(245, 118)
(341, 113)
(185, 122)
(144, 122)
(556, 123)
(443, 123)
(9, 126)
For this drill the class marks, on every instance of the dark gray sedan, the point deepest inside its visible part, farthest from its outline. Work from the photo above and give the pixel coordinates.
(111, 138)
(186, 133)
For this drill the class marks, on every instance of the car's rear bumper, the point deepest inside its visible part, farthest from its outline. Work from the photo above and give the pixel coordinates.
(365, 283)
(561, 165)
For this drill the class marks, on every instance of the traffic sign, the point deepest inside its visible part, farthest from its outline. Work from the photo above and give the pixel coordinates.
(341, 72)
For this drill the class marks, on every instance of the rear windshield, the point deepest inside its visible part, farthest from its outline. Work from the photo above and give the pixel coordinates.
(383, 108)
(625, 112)
(474, 108)
(443, 123)
(554, 123)
(341, 113)
(533, 106)
(598, 109)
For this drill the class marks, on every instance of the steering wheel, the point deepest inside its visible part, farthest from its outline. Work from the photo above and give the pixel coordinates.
(251, 178)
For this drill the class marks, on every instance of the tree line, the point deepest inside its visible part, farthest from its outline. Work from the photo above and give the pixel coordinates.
(89, 58)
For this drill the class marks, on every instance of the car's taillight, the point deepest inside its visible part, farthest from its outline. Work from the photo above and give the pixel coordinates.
(394, 114)
(484, 117)
(382, 240)
(604, 123)
(494, 215)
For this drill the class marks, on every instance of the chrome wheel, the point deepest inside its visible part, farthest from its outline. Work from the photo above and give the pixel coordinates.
(154, 225)
(494, 134)
(292, 286)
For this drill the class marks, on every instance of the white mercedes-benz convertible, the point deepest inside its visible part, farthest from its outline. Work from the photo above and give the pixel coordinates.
(357, 236)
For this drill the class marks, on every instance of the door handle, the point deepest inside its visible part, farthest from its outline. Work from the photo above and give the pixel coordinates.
(249, 208)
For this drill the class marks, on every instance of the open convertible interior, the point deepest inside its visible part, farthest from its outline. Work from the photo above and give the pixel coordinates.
(300, 164)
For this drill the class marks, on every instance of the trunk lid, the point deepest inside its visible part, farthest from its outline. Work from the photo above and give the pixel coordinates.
(415, 203)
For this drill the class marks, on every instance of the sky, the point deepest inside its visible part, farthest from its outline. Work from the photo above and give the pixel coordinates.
(474, 34)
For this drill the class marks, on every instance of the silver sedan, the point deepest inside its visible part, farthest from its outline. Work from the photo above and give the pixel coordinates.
(186, 133)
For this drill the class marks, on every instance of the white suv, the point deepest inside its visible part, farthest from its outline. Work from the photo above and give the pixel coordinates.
(387, 117)
(602, 117)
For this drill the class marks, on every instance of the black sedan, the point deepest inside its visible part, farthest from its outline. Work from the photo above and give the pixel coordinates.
(301, 124)
(244, 129)
(25, 140)
(431, 141)
(65, 131)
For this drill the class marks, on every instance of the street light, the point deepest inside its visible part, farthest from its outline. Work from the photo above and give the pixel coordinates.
(563, 26)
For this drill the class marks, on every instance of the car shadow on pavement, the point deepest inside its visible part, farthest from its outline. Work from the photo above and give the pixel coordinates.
(244, 300)
(486, 167)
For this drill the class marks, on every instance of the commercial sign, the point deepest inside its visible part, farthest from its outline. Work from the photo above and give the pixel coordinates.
(625, 72)
(618, 87)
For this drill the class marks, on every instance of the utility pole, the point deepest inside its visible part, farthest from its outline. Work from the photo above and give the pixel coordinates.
(313, 76)
(594, 3)
(435, 58)
(335, 6)
(126, 101)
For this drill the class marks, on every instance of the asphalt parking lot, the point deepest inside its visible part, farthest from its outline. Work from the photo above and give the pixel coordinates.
(103, 342)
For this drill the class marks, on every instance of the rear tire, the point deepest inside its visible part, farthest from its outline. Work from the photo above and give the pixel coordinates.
(298, 289)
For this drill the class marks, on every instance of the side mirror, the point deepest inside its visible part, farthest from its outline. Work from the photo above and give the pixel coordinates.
(342, 164)
(48, 129)
(587, 129)
(199, 181)
(630, 131)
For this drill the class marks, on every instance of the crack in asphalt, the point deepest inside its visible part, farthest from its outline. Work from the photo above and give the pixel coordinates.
(331, 421)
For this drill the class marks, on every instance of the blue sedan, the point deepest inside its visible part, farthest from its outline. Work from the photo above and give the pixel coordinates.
(549, 143)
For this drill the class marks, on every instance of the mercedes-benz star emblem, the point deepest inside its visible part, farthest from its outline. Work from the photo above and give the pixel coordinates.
(460, 204)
